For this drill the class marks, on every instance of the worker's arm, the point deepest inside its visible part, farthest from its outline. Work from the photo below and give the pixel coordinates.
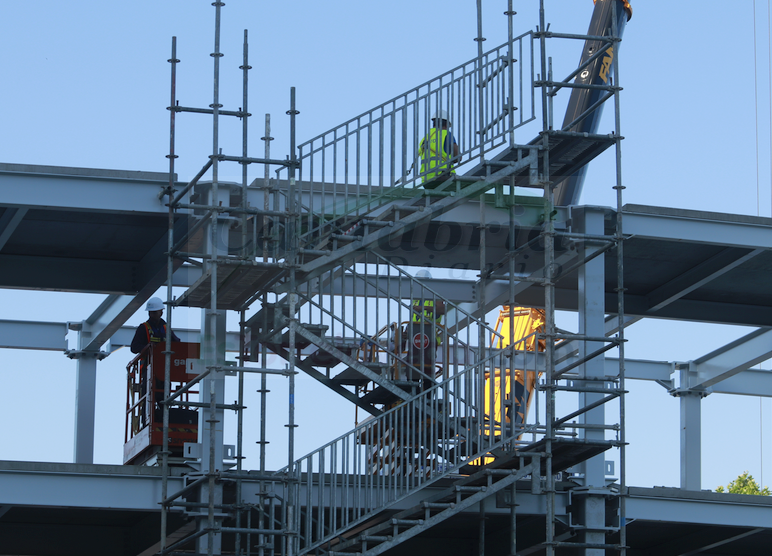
(451, 146)
(140, 339)
(439, 308)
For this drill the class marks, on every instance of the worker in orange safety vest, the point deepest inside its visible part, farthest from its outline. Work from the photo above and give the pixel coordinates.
(153, 330)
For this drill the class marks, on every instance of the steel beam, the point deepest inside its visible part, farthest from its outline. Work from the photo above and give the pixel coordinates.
(710, 311)
(50, 336)
(723, 542)
(698, 276)
(52, 187)
(750, 382)
(9, 221)
(67, 274)
(730, 359)
(119, 487)
(497, 293)
(186, 275)
(636, 369)
(697, 227)
(457, 291)
(100, 326)
(661, 504)
(124, 335)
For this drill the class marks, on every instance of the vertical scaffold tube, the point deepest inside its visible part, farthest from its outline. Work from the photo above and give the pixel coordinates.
(211, 338)
(548, 296)
(480, 92)
(169, 296)
(245, 67)
(240, 426)
(266, 185)
(510, 13)
(294, 538)
(619, 187)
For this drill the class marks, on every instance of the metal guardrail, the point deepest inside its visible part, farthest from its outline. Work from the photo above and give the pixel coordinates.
(379, 149)
(385, 459)
(392, 296)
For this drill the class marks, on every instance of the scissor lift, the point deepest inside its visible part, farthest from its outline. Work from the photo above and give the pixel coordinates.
(144, 411)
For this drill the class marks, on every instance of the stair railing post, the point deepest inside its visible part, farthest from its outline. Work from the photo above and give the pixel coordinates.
(480, 92)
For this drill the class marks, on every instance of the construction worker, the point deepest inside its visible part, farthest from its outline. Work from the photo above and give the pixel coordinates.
(154, 329)
(438, 150)
(428, 310)
(424, 332)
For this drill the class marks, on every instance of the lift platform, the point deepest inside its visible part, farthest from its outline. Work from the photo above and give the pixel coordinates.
(144, 410)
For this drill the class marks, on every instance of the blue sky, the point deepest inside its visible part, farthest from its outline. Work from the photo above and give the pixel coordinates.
(86, 84)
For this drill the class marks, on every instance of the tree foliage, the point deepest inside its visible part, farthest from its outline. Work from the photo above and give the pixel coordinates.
(744, 484)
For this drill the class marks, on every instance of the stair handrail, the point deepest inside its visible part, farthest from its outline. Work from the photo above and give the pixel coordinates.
(361, 475)
(416, 284)
(339, 180)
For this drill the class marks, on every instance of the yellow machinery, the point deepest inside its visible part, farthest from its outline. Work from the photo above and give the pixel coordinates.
(518, 325)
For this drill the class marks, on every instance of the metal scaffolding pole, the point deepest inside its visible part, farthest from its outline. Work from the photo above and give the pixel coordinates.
(293, 208)
(619, 188)
(209, 510)
(169, 297)
(549, 293)
(589, 513)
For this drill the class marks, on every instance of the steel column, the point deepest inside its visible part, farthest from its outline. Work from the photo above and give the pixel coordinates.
(691, 439)
(85, 402)
(592, 324)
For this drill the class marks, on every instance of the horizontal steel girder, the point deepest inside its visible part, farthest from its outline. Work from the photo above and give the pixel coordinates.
(690, 226)
(51, 336)
(82, 189)
(83, 485)
(731, 359)
(661, 504)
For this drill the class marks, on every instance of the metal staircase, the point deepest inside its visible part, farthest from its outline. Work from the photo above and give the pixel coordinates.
(359, 477)
(314, 264)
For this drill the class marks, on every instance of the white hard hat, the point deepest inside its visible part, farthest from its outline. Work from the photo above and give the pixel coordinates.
(442, 115)
(154, 304)
(424, 274)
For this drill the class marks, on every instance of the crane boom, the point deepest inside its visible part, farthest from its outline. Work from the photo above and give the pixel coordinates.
(597, 73)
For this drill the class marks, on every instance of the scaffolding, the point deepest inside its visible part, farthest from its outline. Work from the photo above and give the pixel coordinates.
(310, 265)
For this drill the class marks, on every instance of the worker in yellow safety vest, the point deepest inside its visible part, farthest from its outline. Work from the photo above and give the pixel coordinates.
(424, 333)
(438, 150)
(428, 312)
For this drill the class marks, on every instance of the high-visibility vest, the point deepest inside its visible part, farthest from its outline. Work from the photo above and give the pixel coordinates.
(434, 159)
(428, 316)
(427, 312)
(151, 337)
